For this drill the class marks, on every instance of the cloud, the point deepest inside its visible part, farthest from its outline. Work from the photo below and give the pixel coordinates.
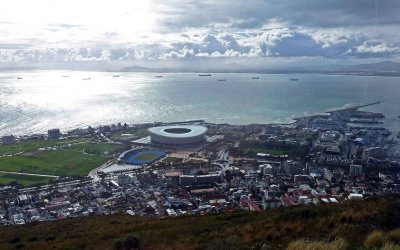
(374, 49)
(157, 30)
(280, 42)
(312, 13)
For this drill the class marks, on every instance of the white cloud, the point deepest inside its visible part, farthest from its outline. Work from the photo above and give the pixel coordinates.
(122, 31)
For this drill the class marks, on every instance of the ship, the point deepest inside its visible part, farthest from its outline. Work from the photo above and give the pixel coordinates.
(19, 78)
(204, 74)
(255, 77)
(221, 80)
(86, 79)
(65, 76)
(159, 76)
(115, 76)
(294, 79)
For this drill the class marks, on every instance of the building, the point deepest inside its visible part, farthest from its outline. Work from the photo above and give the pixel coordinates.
(301, 179)
(125, 179)
(8, 140)
(53, 134)
(186, 180)
(291, 168)
(208, 179)
(376, 152)
(177, 135)
(356, 170)
(189, 180)
(355, 196)
(268, 169)
(328, 175)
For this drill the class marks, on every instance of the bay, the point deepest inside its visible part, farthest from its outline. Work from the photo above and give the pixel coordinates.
(42, 100)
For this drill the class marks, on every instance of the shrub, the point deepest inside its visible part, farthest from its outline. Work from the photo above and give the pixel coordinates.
(118, 245)
(374, 240)
(34, 238)
(130, 242)
(15, 240)
(50, 238)
(19, 246)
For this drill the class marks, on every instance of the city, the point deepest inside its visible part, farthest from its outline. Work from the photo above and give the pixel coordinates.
(195, 168)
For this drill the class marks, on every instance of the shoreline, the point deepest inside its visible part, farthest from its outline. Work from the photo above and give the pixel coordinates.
(293, 121)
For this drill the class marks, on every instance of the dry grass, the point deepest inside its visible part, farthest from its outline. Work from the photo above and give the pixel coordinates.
(322, 226)
(390, 247)
(375, 239)
(338, 244)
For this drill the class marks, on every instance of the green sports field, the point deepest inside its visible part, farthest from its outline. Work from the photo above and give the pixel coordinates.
(34, 145)
(24, 180)
(146, 157)
(76, 160)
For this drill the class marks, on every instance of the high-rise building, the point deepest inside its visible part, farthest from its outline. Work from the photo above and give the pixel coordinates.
(53, 133)
(356, 170)
(8, 140)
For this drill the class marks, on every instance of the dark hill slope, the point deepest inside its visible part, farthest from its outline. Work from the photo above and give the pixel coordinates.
(274, 229)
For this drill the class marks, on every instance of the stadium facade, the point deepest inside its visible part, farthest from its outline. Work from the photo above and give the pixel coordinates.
(178, 135)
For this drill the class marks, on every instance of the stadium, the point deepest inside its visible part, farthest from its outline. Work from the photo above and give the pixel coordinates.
(141, 156)
(178, 135)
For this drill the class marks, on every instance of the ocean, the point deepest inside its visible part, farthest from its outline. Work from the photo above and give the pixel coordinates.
(42, 100)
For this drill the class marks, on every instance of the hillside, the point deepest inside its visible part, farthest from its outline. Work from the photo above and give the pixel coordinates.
(352, 225)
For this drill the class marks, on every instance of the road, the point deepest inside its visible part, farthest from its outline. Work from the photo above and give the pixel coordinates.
(223, 161)
(93, 173)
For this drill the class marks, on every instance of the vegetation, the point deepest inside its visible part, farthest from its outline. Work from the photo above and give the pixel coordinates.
(338, 244)
(147, 157)
(132, 133)
(34, 145)
(171, 159)
(98, 148)
(23, 180)
(75, 160)
(62, 163)
(350, 225)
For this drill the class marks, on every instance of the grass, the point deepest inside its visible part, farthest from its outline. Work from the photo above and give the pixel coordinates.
(23, 180)
(338, 244)
(77, 160)
(307, 227)
(171, 159)
(146, 157)
(34, 145)
(133, 133)
(98, 149)
(64, 163)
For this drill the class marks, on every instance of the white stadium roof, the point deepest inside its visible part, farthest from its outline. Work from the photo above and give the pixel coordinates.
(179, 134)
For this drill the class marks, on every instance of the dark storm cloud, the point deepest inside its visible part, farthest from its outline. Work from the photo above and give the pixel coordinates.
(308, 13)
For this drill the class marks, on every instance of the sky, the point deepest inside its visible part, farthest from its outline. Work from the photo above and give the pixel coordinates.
(171, 32)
